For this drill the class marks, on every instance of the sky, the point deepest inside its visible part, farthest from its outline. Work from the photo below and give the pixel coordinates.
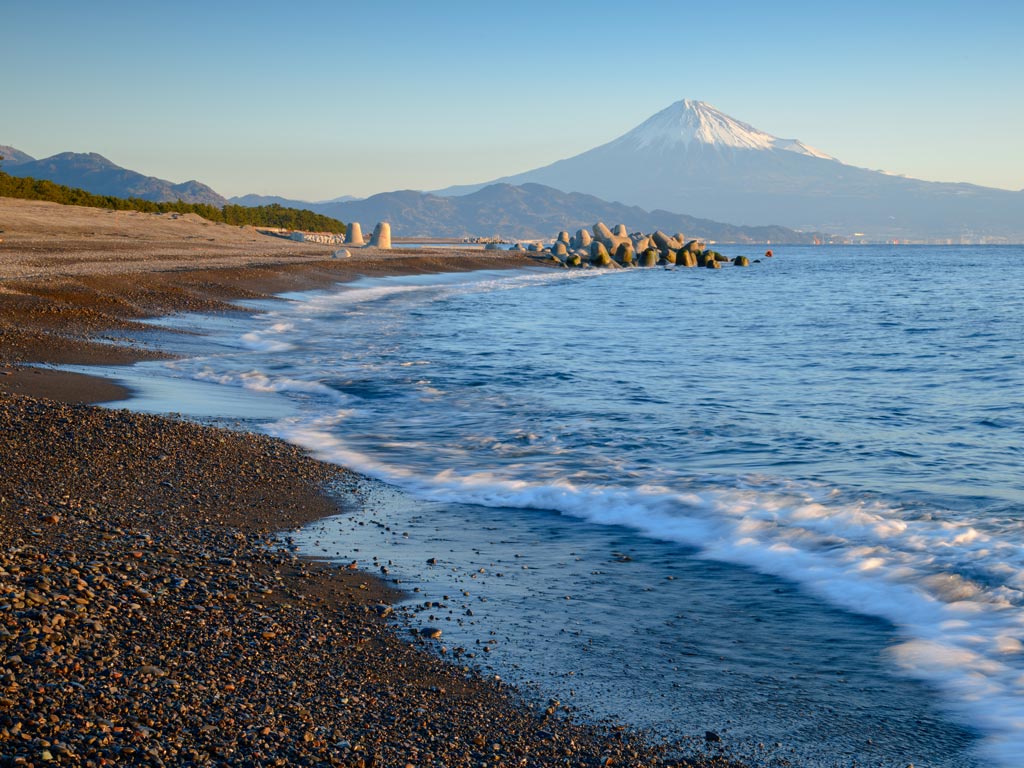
(314, 100)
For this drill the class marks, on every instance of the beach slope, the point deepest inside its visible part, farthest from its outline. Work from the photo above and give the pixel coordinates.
(149, 614)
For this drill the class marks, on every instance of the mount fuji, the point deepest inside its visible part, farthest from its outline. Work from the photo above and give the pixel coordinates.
(693, 158)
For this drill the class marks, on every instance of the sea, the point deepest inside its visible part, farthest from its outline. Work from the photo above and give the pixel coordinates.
(783, 503)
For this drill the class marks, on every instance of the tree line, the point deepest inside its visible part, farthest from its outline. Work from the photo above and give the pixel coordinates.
(27, 188)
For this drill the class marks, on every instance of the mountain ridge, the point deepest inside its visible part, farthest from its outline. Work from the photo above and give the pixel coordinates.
(534, 211)
(692, 157)
(12, 156)
(530, 212)
(94, 173)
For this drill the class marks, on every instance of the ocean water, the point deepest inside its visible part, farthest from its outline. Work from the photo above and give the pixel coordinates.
(783, 503)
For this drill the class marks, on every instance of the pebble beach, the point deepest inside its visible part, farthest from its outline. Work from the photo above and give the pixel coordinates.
(149, 612)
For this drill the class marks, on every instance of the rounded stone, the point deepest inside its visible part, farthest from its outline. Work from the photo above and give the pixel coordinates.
(601, 231)
(660, 240)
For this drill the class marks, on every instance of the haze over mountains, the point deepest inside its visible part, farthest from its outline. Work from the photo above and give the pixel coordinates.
(530, 211)
(533, 211)
(288, 202)
(688, 163)
(691, 157)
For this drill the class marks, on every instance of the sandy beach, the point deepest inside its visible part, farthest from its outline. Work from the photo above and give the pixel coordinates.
(147, 614)
(72, 277)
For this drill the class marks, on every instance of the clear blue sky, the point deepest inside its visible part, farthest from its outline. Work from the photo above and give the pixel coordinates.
(319, 99)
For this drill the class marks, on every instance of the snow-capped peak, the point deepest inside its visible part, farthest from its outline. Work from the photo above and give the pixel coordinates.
(686, 122)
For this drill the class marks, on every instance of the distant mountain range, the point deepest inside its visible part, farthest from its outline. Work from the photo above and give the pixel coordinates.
(287, 202)
(95, 173)
(532, 211)
(529, 211)
(692, 157)
(688, 157)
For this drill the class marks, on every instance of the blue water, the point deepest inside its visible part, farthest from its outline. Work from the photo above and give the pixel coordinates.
(829, 442)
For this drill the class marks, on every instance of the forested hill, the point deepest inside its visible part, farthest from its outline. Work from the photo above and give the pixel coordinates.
(94, 173)
(258, 216)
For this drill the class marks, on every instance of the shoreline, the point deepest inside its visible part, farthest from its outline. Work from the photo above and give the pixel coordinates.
(149, 615)
(166, 623)
(64, 298)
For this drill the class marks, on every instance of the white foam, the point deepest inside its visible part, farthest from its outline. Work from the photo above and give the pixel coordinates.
(962, 634)
(256, 381)
(259, 342)
(953, 589)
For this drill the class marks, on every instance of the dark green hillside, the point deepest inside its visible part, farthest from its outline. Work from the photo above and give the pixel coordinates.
(258, 216)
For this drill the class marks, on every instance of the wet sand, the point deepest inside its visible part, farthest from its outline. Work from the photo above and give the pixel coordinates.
(147, 614)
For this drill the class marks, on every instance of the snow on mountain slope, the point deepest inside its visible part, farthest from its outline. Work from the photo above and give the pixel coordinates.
(689, 121)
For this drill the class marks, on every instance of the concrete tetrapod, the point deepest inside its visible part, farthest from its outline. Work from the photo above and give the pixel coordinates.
(354, 235)
(381, 237)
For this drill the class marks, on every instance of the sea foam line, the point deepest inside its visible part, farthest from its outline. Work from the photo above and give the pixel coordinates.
(951, 589)
(961, 634)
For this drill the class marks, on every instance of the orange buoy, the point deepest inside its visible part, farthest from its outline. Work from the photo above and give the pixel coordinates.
(769, 253)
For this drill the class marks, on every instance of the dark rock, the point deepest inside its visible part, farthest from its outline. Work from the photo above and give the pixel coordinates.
(649, 258)
(599, 256)
(624, 254)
